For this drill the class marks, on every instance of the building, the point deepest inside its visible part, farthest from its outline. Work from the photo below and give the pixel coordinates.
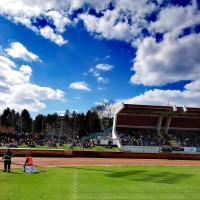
(162, 118)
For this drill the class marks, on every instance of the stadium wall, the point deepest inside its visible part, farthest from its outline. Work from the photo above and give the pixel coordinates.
(96, 154)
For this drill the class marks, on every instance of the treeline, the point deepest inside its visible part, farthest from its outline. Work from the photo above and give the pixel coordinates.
(71, 123)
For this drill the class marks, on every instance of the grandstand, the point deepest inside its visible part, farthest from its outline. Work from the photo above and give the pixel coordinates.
(165, 127)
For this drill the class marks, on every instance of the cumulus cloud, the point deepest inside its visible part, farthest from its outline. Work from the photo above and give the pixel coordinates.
(48, 33)
(26, 12)
(104, 67)
(80, 86)
(175, 57)
(5, 63)
(169, 61)
(17, 50)
(124, 22)
(167, 97)
(26, 70)
(60, 21)
(108, 28)
(175, 18)
(18, 93)
(157, 62)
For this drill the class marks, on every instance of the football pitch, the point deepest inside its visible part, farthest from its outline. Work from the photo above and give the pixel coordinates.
(102, 182)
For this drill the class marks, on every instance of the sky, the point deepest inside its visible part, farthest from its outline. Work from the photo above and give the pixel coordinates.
(60, 55)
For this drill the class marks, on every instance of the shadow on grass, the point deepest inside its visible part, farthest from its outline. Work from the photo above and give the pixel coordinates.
(141, 175)
(148, 176)
(12, 172)
(86, 169)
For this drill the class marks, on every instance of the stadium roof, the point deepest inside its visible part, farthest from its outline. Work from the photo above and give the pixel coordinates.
(160, 110)
(159, 117)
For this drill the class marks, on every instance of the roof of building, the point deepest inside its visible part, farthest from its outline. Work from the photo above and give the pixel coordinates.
(4, 129)
(181, 117)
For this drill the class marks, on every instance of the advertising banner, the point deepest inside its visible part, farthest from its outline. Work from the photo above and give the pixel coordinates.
(190, 149)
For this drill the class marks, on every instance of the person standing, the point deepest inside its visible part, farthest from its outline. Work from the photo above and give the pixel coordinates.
(7, 160)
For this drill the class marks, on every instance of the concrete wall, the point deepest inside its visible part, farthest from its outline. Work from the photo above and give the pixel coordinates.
(96, 154)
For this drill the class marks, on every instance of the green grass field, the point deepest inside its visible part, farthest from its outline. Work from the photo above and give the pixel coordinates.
(104, 182)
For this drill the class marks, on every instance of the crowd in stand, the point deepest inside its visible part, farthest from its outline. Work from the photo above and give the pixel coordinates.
(141, 137)
(31, 140)
(127, 136)
(150, 137)
(186, 138)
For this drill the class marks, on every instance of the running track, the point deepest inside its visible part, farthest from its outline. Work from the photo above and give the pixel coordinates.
(17, 162)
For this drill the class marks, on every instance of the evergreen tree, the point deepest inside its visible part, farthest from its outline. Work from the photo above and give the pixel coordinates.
(40, 123)
(6, 118)
(26, 121)
(93, 123)
(52, 121)
(68, 124)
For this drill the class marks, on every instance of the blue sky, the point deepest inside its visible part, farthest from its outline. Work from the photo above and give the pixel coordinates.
(77, 54)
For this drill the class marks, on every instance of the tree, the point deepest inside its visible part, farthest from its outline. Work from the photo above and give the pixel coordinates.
(105, 112)
(67, 122)
(6, 118)
(26, 121)
(93, 123)
(52, 121)
(74, 123)
(17, 122)
(104, 109)
(82, 126)
(39, 123)
(96, 122)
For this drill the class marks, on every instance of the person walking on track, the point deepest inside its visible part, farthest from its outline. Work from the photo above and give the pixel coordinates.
(7, 160)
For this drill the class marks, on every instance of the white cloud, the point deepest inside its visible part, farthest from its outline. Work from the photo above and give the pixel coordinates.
(22, 11)
(61, 112)
(102, 79)
(18, 93)
(187, 97)
(173, 59)
(80, 86)
(5, 63)
(175, 18)
(96, 72)
(17, 50)
(104, 67)
(114, 24)
(125, 22)
(168, 61)
(48, 33)
(108, 28)
(193, 87)
(60, 21)
(26, 70)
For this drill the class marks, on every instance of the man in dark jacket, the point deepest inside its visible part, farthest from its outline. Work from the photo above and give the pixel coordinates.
(7, 160)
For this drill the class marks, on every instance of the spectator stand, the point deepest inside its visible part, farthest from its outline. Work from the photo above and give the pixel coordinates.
(149, 127)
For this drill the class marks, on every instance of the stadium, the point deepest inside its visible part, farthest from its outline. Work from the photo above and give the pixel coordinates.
(163, 138)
